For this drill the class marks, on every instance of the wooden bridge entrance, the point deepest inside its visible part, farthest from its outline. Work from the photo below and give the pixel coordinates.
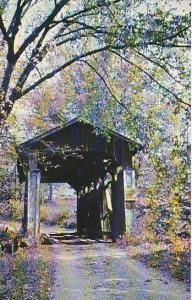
(90, 163)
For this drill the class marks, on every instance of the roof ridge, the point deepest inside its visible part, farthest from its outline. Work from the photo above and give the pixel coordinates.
(66, 124)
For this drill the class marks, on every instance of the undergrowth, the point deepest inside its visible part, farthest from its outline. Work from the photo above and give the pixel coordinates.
(54, 214)
(173, 257)
(25, 275)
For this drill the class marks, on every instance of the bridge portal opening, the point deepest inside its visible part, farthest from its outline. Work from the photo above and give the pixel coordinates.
(91, 163)
(58, 207)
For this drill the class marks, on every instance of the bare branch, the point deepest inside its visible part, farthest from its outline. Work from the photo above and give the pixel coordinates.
(15, 95)
(36, 54)
(44, 24)
(176, 34)
(169, 45)
(151, 77)
(16, 20)
(50, 19)
(35, 67)
(4, 31)
(161, 66)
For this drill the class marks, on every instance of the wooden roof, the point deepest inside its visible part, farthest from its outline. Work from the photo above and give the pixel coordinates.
(51, 132)
(74, 153)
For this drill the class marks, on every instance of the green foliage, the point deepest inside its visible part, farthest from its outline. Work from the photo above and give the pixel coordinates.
(180, 266)
(155, 259)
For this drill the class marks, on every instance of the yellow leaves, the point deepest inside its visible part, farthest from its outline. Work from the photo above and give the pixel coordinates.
(11, 120)
(137, 97)
(157, 107)
(187, 100)
(38, 123)
(150, 189)
(156, 139)
(173, 118)
(149, 235)
(175, 211)
(178, 244)
(173, 202)
(134, 77)
(177, 161)
(157, 73)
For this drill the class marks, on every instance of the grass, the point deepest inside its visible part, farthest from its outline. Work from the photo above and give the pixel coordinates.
(54, 214)
(25, 275)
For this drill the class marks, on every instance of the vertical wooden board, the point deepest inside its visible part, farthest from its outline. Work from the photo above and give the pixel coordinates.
(25, 205)
(30, 202)
(37, 204)
(94, 221)
(33, 210)
(82, 213)
(117, 218)
(105, 221)
(108, 200)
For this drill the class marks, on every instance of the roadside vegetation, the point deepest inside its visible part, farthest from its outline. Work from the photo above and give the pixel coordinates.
(54, 213)
(172, 258)
(25, 275)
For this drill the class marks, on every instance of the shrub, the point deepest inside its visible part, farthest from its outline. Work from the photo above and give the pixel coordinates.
(15, 209)
(180, 258)
(131, 240)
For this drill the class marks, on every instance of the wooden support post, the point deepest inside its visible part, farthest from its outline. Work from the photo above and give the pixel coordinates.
(79, 225)
(107, 210)
(82, 213)
(33, 204)
(24, 199)
(31, 219)
(129, 181)
(79, 212)
(94, 221)
(117, 218)
(18, 187)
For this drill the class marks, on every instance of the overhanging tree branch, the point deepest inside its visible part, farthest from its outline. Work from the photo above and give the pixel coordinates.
(39, 54)
(151, 77)
(16, 20)
(4, 31)
(161, 66)
(43, 25)
(58, 7)
(176, 34)
(77, 24)
(105, 83)
(49, 75)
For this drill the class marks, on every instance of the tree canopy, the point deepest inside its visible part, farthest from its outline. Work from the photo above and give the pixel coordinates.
(35, 33)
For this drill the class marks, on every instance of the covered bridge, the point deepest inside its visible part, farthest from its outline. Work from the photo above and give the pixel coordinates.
(93, 164)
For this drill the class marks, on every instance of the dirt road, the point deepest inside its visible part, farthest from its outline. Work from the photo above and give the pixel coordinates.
(105, 271)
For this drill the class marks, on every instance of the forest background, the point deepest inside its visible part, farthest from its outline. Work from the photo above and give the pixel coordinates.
(122, 65)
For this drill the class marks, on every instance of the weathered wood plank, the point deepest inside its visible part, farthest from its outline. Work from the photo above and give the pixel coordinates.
(33, 202)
